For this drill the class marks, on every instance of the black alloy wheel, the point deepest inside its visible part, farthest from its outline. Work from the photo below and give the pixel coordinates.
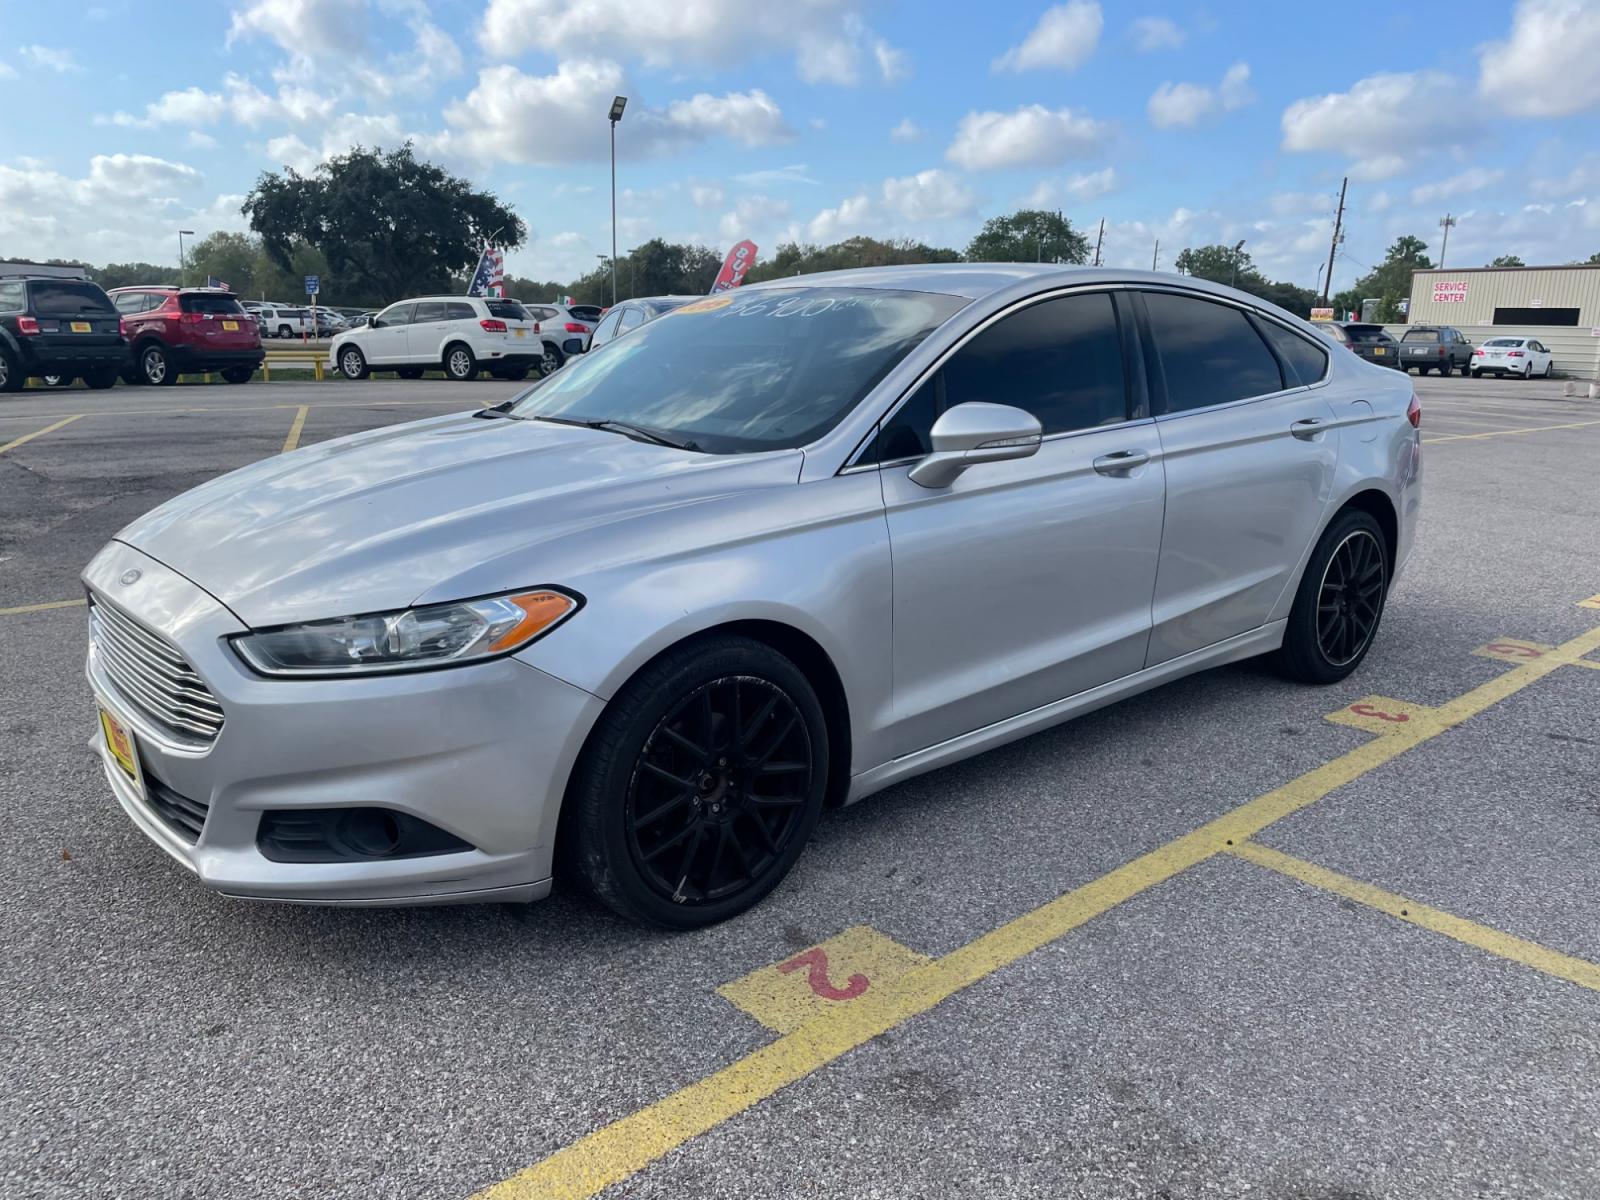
(1351, 598)
(699, 786)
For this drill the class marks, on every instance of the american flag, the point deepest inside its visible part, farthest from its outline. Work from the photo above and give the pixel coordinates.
(213, 282)
(489, 278)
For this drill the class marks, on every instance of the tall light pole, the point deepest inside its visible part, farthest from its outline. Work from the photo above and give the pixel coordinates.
(183, 267)
(618, 103)
(1444, 223)
(1237, 248)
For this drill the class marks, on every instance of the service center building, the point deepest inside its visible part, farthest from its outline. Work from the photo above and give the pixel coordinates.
(1558, 305)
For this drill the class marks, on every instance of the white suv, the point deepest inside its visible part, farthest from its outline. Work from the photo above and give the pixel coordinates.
(460, 335)
(276, 320)
(564, 331)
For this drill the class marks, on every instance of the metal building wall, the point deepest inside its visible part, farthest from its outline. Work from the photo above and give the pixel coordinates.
(1488, 288)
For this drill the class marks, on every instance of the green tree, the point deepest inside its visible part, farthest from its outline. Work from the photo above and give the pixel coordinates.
(794, 258)
(1593, 260)
(1224, 264)
(234, 258)
(1390, 280)
(1507, 260)
(115, 275)
(1028, 235)
(387, 225)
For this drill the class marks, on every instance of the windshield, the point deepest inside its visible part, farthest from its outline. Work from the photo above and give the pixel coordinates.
(766, 370)
(1421, 335)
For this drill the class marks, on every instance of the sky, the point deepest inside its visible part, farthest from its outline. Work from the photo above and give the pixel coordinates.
(815, 120)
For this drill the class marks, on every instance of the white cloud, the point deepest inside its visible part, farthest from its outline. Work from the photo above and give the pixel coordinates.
(336, 137)
(60, 61)
(928, 196)
(1546, 67)
(1420, 107)
(139, 174)
(1377, 168)
(1471, 180)
(1583, 176)
(328, 46)
(777, 176)
(1064, 39)
(707, 195)
(848, 219)
(239, 100)
(828, 37)
(898, 207)
(543, 119)
(200, 141)
(1150, 34)
(1180, 105)
(1030, 136)
(908, 131)
(1095, 183)
(752, 214)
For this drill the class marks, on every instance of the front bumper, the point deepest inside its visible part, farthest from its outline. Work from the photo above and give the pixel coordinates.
(482, 752)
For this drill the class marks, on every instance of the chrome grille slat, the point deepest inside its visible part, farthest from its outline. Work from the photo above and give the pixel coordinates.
(152, 675)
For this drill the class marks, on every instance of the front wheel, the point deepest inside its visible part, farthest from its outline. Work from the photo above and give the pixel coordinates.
(699, 786)
(1550, 369)
(353, 364)
(551, 360)
(460, 364)
(284, 331)
(1339, 603)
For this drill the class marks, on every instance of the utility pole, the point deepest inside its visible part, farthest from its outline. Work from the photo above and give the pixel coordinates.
(1445, 224)
(1155, 254)
(617, 105)
(1099, 240)
(1333, 247)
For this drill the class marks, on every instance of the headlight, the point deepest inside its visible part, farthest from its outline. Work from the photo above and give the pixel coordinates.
(440, 635)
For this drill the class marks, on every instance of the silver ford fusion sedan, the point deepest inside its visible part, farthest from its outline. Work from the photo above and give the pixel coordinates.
(776, 550)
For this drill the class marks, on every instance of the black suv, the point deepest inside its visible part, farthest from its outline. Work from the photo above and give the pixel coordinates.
(59, 327)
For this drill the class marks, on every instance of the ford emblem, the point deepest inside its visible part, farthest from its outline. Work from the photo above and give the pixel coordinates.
(130, 576)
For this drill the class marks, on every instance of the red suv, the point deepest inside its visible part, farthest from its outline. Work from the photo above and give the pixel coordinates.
(176, 331)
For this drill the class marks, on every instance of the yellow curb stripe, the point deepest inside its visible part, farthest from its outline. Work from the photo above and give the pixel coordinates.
(1586, 662)
(32, 608)
(620, 1150)
(1504, 945)
(28, 437)
(293, 440)
(1467, 437)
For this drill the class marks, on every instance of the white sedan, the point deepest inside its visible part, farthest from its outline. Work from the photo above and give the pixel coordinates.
(1526, 357)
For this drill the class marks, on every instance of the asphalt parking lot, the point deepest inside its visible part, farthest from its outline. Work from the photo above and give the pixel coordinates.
(1233, 937)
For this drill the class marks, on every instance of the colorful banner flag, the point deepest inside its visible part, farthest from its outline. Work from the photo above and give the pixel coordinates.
(490, 277)
(740, 259)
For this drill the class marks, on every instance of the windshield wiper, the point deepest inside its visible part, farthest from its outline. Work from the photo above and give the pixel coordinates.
(499, 410)
(637, 432)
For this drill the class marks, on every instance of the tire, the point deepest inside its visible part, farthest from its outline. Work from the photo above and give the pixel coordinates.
(460, 364)
(1549, 369)
(103, 379)
(353, 363)
(155, 366)
(238, 374)
(1476, 374)
(285, 332)
(1527, 372)
(57, 381)
(515, 375)
(551, 361)
(680, 716)
(409, 372)
(1349, 570)
(11, 376)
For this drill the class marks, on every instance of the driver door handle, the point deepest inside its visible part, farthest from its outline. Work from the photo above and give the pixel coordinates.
(1307, 429)
(1120, 462)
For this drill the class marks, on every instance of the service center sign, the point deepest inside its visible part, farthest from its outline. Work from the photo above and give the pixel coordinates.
(1447, 292)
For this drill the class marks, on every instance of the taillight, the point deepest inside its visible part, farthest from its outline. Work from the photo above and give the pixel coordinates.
(190, 318)
(1441, 351)
(573, 327)
(122, 326)
(1414, 412)
(1515, 354)
(490, 325)
(1477, 354)
(27, 325)
(536, 327)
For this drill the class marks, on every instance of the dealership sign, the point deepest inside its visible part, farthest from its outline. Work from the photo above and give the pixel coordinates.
(1322, 314)
(1445, 292)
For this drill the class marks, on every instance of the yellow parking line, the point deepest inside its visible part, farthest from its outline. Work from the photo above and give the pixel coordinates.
(28, 437)
(237, 408)
(32, 608)
(617, 1151)
(293, 440)
(1458, 437)
(1529, 954)
(1586, 662)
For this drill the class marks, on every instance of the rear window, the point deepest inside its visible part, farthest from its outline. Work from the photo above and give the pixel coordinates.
(1421, 335)
(68, 297)
(585, 312)
(1366, 333)
(507, 310)
(1504, 342)
(209, 302)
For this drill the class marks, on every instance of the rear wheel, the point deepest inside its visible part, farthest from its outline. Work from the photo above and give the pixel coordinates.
(353, 364)
(1339, 603)
(155, 366)
(11, 377)
(238, 374)
(409, 372)
(57, 381)
(284, 331)
(460, 363)
(1527, 371)
(700, 785)
(102, 379)
(551, 361)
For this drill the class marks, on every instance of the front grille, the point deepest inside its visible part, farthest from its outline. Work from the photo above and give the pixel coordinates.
(185, 817)
(152, 676)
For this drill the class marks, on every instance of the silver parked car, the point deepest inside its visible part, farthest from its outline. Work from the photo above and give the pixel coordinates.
(630, 314)
(775, 550)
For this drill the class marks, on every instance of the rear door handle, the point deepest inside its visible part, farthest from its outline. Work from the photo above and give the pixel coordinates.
(1120, 462)
(1309, 428)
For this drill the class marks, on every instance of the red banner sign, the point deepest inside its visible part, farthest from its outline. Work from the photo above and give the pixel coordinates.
(740, 259)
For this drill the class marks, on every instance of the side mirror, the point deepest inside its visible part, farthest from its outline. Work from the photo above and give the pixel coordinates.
(976, 433)
(375, 323)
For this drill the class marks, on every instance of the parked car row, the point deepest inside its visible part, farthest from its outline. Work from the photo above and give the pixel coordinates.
(1441, 348)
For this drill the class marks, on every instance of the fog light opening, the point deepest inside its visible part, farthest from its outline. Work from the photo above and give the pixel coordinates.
(372, 831)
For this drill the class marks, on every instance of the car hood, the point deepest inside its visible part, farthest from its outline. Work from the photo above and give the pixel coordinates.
(436, 510)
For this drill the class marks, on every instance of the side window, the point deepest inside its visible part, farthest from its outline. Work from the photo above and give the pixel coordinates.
(1210, 353)
(459, 312)
(1060, 360)
(632, 318)
(13, 296)
(607, 329)
(1307, 362)
(129, 302)
(429, 310)
(397, 314)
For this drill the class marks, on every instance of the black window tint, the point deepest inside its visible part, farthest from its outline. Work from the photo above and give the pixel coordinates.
(632, 318)
(429, 310)
(13, 296)
(1309, 363)
(397, 314)
(1210, 353)
(507, 310)
(209, 302)
(1060, 360)
(459, 312)
(68, 298)
(905, 435)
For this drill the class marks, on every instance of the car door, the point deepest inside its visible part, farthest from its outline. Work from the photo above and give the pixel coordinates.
(426, 335)
(1542, 357)
(384, 341)
(1250, 458)
(1024, 581)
